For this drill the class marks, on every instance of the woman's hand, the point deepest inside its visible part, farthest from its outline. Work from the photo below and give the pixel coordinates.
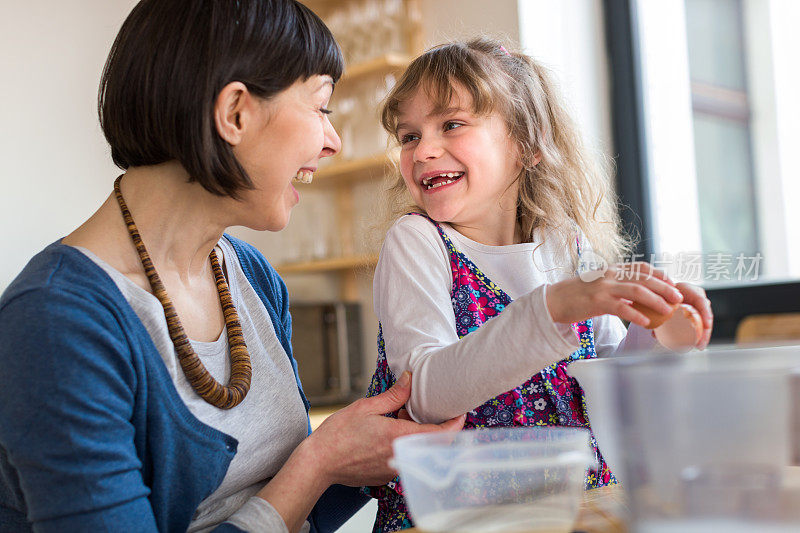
(573, 300)
(696, 297)
(353, 446)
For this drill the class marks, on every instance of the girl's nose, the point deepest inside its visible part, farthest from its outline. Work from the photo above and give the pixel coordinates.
(427, 149)
(333, 144)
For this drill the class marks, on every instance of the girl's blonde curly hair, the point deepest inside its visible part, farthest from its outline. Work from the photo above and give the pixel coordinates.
(567, 187)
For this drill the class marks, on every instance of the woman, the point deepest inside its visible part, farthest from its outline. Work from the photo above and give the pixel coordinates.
(146, 376)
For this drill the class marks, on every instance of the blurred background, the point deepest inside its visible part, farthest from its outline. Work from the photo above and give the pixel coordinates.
(695, 101)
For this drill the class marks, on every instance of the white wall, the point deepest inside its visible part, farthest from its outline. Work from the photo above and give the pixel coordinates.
(55, 167)
(568, 37)
(446, 20)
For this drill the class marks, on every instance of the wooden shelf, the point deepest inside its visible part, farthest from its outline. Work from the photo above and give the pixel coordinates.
(346, 171)
(328, 265)
(386, 63)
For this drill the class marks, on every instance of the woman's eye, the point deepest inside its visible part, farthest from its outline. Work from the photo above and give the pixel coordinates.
(325, 111)
(407, 138)
(451, 125)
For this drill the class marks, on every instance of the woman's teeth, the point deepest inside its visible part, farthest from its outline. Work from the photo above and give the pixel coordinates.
(442, 179)
(304, 176)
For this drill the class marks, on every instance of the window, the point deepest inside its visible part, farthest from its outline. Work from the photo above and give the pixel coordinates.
(726, 191)
(720, 121)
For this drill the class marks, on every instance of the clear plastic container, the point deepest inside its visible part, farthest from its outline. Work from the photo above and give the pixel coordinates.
(708, 439)
(596, 378)
(499, 479)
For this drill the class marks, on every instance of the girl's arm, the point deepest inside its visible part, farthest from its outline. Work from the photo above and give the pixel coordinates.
(612, 338)
(451, 376)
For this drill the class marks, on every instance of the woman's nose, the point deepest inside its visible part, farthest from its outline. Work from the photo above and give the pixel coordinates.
(427, 148)
(333, 144)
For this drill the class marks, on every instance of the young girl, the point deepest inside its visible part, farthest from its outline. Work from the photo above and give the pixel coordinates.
(476, 291)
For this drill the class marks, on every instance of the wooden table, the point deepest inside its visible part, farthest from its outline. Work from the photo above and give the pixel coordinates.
(603, 511)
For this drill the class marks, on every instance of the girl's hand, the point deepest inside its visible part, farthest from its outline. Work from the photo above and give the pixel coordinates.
(574, 300)
(696, 297)
(353, 446)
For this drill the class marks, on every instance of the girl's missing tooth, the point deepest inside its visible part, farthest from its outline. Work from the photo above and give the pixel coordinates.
(476, 292)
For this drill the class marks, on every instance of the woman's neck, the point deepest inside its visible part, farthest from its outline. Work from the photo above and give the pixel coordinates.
(179, 222)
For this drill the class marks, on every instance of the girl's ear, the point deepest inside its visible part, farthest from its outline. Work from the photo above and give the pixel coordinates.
(526, 160)
(231, 112)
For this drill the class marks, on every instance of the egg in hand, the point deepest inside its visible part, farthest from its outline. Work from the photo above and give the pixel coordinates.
(679, 330)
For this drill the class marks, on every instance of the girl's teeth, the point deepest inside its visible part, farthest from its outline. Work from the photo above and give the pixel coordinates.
(304, 176)
(427, 181)
(440, 184)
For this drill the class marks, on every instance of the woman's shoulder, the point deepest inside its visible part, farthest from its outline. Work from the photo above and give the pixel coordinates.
(60, 269)
(63, 311)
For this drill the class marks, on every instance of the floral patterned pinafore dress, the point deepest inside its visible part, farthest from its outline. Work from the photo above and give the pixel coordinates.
(549, 398)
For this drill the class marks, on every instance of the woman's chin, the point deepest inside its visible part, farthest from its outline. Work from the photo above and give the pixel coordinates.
(278, 225)
(272, 223)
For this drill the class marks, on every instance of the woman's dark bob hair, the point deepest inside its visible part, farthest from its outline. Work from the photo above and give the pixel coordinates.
(173, 57)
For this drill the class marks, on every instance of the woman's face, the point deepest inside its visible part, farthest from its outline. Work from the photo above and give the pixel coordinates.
(287, 134)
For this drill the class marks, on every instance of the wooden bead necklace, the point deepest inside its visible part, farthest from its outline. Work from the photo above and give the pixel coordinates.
(218, 395)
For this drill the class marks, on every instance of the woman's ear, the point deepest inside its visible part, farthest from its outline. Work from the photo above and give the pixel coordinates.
(231, 112)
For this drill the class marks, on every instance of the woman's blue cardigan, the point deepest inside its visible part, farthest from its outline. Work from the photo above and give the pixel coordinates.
(93, 434)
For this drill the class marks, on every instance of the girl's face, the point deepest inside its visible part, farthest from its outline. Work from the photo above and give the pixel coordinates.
(460, 168)
(289, 133)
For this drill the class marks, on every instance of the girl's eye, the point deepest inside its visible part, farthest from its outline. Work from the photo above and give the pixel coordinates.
(407, 138)
(451, 125)
(325, 111)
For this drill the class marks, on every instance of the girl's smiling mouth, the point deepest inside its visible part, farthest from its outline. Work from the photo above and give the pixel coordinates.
(434, 180)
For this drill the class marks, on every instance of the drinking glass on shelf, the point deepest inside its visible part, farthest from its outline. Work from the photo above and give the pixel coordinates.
(358, 32)
(393, 26)
(320, 226)
(336, 22)
(367, 135)
(373, 43)
(343, 122)
(378, 136)
(293, 240)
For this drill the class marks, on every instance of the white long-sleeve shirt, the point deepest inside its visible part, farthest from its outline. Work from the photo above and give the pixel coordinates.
(412, 288)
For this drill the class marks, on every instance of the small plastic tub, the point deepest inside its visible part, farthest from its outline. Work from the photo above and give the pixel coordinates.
(499, 479)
